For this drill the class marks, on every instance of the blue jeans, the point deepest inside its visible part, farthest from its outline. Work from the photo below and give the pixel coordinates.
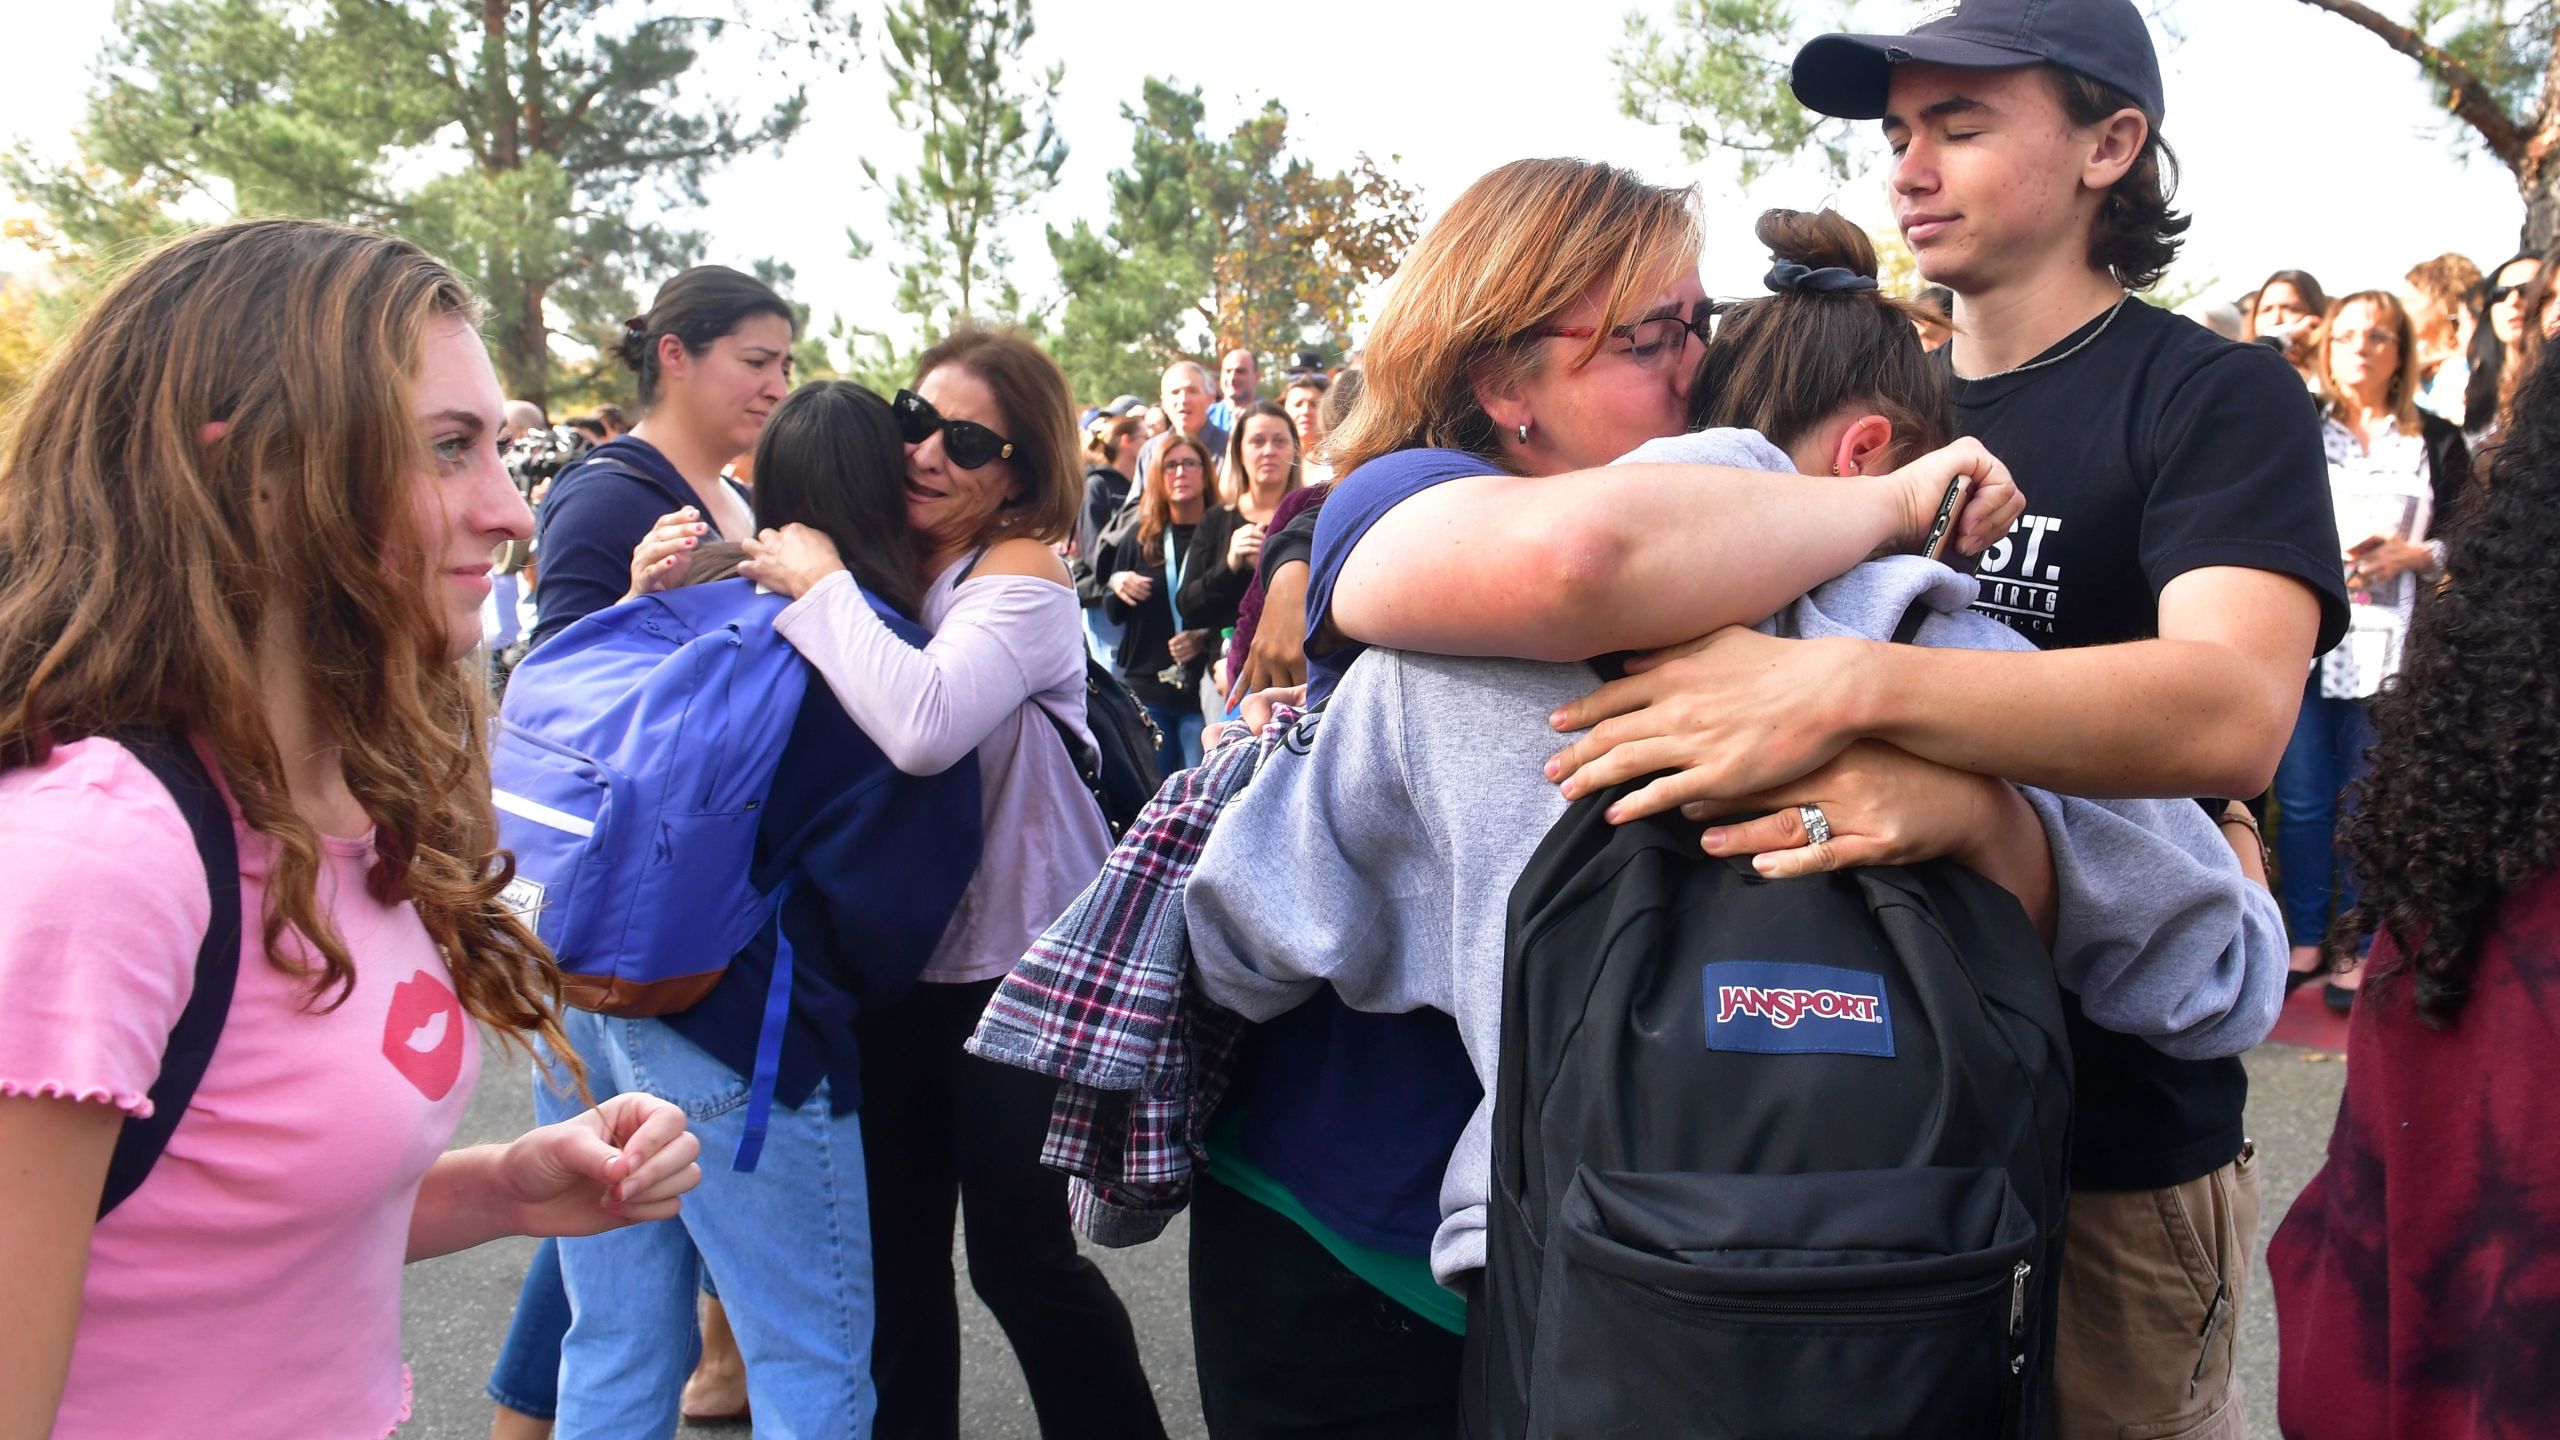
(2330, 750)
(526, 1378)
(791, 1242)
(1180, 723)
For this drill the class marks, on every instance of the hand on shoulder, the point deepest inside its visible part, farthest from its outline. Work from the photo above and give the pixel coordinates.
(1022, 556)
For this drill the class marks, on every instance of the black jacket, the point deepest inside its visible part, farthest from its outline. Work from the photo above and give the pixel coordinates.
(2448, 466)
(1147, 630)
(1106, 494)
(1210, 591)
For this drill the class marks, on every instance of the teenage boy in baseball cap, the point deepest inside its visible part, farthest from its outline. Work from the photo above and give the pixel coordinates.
(2178, 541)
(2178, 564)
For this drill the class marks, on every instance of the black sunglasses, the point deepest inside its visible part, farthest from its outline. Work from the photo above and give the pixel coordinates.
(968, 443)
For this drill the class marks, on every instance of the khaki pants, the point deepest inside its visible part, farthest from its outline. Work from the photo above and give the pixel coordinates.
(2138, 1358)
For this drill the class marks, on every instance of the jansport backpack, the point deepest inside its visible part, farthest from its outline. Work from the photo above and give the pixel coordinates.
(635, 751)
(1771, 1157)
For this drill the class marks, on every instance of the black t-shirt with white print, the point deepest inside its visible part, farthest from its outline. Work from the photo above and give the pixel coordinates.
(2152, 449)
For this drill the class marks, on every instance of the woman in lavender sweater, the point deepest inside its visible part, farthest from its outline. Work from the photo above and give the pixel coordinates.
(991, 482)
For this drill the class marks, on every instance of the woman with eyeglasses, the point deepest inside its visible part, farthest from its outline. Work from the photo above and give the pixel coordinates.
(1542, 328)
(1142, 570)
(991, 481)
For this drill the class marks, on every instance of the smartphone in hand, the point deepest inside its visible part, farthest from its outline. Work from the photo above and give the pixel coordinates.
(1942, 529)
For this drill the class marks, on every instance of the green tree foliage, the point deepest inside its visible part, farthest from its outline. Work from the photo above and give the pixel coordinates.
(990, 151)
(526, 141)
(2496, 71)
(1717, 72)
(1216, 242)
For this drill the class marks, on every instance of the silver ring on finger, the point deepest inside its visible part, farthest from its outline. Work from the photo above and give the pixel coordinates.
(1817, 826)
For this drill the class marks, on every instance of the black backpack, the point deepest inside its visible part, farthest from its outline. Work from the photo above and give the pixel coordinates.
(198, 1029)
(1771, 1157)
(1120, 769)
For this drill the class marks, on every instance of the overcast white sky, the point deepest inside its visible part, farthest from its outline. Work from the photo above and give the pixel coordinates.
(2306, 142)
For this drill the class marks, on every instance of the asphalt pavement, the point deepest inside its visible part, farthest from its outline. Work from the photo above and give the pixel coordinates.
(457, 1307)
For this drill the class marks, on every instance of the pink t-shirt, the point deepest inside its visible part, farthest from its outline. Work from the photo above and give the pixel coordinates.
(251, 1286)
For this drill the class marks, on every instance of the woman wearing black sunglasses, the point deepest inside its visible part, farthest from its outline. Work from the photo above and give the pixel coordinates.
(991, 482)
(2494, 371)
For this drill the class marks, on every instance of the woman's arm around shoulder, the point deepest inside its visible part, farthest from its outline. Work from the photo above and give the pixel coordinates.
(1563, 567)
(1012, 631)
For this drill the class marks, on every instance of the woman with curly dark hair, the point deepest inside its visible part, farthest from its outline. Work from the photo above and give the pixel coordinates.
(2417, 1283)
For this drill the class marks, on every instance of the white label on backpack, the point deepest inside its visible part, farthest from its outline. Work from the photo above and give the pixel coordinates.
(526, 807)
(1775, 1009)
(523, 896)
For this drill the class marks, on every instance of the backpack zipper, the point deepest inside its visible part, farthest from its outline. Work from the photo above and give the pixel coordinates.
(1949, 1302)
(2018, 1316)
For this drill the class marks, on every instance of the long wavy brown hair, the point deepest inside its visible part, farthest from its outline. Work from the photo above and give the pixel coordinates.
(2461, 805)
(142, 560)
(1155, 506)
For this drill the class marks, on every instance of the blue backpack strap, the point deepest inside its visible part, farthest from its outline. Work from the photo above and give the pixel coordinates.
(777, 1012)
(191, 1042)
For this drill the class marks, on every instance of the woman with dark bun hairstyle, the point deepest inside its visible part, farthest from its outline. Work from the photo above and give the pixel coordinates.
(2414, 1276)
(713, 357)
(877, 861)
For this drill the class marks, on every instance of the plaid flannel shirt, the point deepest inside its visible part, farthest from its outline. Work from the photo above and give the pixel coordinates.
(1104, 1004)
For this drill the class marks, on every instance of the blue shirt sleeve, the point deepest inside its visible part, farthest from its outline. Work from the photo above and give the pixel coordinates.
(590, 524)
(1359, 501)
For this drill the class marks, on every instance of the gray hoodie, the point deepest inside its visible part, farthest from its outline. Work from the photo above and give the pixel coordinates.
(1381, 858)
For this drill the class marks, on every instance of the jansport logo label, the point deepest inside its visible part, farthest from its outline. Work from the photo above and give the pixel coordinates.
(1783, 1008)
(1771, 1008)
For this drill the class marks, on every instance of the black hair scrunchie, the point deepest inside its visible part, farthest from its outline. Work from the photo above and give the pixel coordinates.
(1788, 277)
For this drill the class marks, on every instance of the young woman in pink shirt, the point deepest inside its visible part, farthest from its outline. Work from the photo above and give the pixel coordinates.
(251, 515)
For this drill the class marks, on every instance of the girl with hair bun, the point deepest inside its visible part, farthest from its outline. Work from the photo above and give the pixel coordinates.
(712, 356)
(1378, 871)
(1539, 330)
(257, 774)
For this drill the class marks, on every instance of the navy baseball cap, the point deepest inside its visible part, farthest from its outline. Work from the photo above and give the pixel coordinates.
(1850, 75)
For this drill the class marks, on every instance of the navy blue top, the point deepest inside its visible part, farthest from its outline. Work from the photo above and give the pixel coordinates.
(598, 512)
(880, 858)
(1357, 1114)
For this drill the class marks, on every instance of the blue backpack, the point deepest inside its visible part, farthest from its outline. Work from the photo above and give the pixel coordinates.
(635, 750)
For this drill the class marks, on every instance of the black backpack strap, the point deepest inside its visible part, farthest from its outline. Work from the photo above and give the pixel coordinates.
(176, 765)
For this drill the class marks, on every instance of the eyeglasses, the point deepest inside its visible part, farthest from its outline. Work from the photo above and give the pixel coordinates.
(968, 443)
(2498, 295)
(1653, 342)
(1179, 466)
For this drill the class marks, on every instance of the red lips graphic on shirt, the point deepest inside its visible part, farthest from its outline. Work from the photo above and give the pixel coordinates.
(422, 1036)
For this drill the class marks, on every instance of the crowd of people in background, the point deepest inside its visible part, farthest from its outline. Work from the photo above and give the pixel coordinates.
(1565, 537)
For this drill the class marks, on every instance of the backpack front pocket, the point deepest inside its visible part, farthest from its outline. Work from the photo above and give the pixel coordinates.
(1884, 1303)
